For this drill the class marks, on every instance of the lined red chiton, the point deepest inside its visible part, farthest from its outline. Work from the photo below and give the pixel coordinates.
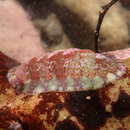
(66, 70)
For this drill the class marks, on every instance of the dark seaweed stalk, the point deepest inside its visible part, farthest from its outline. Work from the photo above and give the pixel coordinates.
(100, 20)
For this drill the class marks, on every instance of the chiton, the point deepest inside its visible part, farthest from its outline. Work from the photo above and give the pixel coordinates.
(66, 70)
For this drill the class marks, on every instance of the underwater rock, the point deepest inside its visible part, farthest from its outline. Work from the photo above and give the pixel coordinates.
(96, 108)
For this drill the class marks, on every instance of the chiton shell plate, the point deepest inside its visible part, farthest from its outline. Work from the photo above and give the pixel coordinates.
(66, 70)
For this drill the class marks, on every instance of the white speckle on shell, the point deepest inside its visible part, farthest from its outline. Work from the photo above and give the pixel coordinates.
(119, 73)
(111, 77)
(52, 85)
(100, 56)
(70, 82)
(86, 83)
(60, 89)
(12, 77)
(38, 89)
(70, 88)
(98, 82)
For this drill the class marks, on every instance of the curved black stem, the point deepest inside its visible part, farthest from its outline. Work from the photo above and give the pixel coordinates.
(100, 20)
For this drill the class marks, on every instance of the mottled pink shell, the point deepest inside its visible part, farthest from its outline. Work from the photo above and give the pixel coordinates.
(66, 70)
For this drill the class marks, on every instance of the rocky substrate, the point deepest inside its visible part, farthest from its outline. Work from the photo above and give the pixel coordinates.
(91, 103)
